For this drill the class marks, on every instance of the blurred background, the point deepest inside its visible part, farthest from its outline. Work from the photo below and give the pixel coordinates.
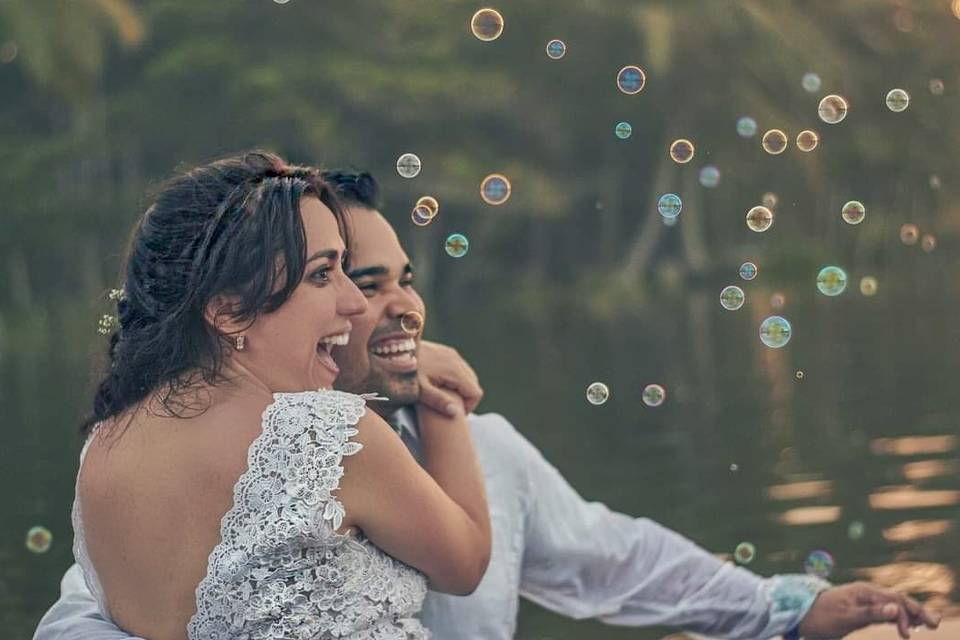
(845, 440)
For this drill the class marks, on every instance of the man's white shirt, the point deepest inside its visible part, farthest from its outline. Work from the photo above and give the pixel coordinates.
(574, 557)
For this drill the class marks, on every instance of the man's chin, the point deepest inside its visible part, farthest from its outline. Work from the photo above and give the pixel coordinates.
(402, 389)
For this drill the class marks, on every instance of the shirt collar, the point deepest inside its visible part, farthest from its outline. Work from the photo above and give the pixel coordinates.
(406, 420)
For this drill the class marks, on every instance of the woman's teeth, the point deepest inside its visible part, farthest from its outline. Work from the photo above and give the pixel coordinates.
(327, 344)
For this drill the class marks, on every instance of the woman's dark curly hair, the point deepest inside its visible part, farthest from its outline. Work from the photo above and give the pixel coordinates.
(232, 228)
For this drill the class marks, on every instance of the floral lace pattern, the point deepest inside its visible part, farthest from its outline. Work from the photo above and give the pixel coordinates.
(281, 571)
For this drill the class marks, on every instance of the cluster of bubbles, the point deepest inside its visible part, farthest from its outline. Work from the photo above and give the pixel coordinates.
(682, 151)
(487, 25)
(653, 395)
(412, 322)
(732, 298)
(775, 332)
(709, 176)
(819, 563)
(425, 210)
(669, 205)
(495, 189)
(408, 165)
(745, 551)
(759, 218)
(456, 245)
(556, 49)
(910, 235)
(39, 539)
(831, 281)
(623, 130)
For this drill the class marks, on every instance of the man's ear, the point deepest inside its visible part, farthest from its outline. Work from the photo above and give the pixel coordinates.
(220, 313)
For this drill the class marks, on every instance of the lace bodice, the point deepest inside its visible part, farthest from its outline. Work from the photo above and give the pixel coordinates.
(280, 569)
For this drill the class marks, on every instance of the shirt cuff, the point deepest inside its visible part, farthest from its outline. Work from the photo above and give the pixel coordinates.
(790, 597)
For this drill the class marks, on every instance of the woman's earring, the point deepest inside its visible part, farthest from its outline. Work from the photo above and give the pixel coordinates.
(240, 342)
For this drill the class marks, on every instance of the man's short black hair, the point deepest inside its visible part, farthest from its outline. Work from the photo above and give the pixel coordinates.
(354, 187)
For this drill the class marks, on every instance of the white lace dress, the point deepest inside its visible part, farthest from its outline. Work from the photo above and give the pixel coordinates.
(280, 569)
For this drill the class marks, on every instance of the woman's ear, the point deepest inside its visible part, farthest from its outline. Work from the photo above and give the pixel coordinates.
(220, 313)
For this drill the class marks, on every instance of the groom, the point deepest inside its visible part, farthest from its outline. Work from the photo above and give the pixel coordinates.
(574, 557)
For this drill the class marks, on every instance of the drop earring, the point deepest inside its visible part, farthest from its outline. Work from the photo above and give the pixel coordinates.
(240, 342)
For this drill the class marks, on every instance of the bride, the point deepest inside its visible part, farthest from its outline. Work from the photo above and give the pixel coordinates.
(224, 491)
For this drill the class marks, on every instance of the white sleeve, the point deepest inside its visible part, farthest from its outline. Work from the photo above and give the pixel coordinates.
(583, 560)
(75, 616)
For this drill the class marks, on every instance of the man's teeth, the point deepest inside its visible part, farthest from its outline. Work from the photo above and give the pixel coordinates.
(400, 346)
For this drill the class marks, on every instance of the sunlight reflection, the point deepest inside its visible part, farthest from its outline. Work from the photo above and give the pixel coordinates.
(912, 530)
(909, 497)
(810, 515)
(800, 490)
(926, 469)
(913, 445)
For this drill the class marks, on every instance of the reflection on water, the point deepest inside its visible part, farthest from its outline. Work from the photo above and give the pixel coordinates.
(909, 497)
(913, 530)
(926, 469)
(913, 445)
(810, 515)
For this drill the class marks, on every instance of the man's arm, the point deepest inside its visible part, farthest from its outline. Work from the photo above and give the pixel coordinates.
(583, 560)
(75, 616)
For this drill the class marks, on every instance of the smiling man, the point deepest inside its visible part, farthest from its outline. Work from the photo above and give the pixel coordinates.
(574, 557)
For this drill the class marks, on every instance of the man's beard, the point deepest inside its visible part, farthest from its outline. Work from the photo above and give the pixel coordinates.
(402, 389)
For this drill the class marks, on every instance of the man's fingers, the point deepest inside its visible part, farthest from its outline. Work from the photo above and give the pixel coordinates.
(439, 400)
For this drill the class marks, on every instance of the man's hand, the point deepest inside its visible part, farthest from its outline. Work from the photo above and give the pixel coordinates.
(447, 383)
(842, 610)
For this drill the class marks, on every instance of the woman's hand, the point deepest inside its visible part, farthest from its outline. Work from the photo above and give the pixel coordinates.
(447, 383)
(844, 609)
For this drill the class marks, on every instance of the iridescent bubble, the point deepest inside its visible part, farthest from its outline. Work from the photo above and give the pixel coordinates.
(807, 140)
(935, 182)
(775, 332)
(799, 374)
(832, 109)
(495, 189)
(774, 142)
(746, 127)
(682, 151)
(744, 553)
(732, 298)
(769, 200)
(868, 286)
(556, 49)
(623, 130)
(759, 219)
(928, 242)
(856, 530)
(831, 281)
(811, 82)
(487, 24)
(669, 205)
(412, 322)
(631, 79)
(898, 100)
(936, 86)
(408, 165)
(654, 395)
(748, 271)
(39, 539)
(777, 301)
(709, 176)
(734, 467)
(430, 203)
(597, 393)
(456, 245)
(819, 563)
(422, 215)
(909, 234)
(853, 212)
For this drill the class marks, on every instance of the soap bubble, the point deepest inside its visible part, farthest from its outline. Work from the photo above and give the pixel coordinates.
(422, 215)
(819, 563)
(856, 530)
(807, 140)
(734, 467)
(774, 142)
(654, 395)
(775, 332)
(487, 24)
(799, 374)
(39, 539)
(936, 86)
(832, 109)
(631, 79)
(777, 301)
(682, 151)
(909, 234)
(456, 245)
(928, 242)
(732, 298)
(495, 189)
(623, 130)
(759, 219)
(744, 553)
(709, 176)
(868, 285)
(746, 127)
(748, 271)
(769, 200)
(898, 100)
(430, 203)
(831, 281)
(811, 82)
(853, 212)
(935, 181)
(597, 393)
(669, 205)
(411, 322)
(408, 165)
(556, 49)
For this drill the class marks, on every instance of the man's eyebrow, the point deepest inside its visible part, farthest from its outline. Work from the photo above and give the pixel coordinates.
(378, 270)
(324, 253)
